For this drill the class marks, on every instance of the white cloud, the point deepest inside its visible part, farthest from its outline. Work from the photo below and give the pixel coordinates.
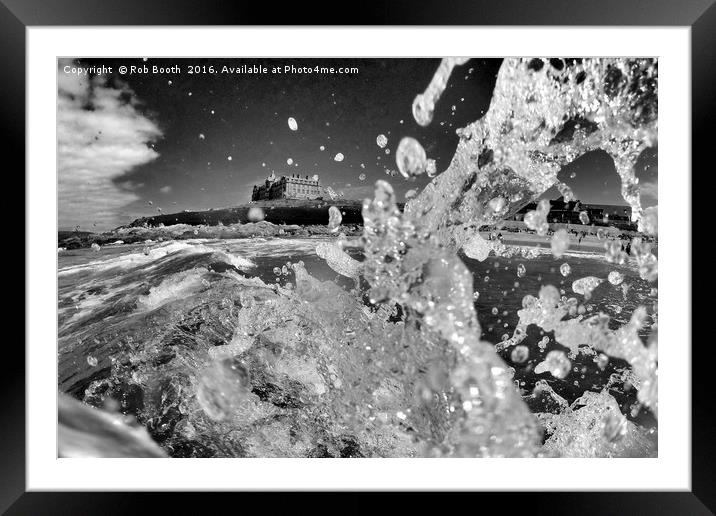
(100, 136)
(165, 189)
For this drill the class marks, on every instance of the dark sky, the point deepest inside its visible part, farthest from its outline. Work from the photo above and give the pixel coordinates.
(198, 121)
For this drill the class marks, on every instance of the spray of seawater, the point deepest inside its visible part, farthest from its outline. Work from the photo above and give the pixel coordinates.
(544, 114)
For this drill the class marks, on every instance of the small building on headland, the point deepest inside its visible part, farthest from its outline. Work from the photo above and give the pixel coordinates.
(293, 187)
(567, 212)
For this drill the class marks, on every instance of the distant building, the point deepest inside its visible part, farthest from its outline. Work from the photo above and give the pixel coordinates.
(613, 213)
(293, 187)
(568, 213)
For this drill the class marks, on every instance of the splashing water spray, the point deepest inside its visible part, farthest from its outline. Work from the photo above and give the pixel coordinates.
(543, 115)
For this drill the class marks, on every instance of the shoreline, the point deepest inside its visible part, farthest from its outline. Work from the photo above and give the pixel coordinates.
(68, 240)
(148, 235)
(589, 243)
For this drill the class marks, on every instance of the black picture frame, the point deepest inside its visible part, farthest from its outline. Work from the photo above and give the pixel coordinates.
(699, 15)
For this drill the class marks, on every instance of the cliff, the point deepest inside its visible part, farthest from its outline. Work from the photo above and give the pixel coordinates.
(299, 212)
(282, 218)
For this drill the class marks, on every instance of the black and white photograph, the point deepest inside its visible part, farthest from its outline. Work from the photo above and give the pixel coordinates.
(357, 257)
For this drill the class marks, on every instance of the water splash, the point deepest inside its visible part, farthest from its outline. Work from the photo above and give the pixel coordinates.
(543, 115)
(649, 223)
(435, 285)
(338, 260)
(424, 103)
(537, 219)
(559, 243)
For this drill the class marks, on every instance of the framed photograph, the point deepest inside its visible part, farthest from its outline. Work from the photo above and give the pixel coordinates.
(417, 253)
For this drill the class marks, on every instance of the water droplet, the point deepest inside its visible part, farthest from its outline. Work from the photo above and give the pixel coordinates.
(602, 360)
(559, 243)
(615, 278)
(586, 285)
(520, 354)
(255, 214)
(565, 269)
(542, 344)
(223, 387)
(334, 219)
(410, 157)
(556, 363)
